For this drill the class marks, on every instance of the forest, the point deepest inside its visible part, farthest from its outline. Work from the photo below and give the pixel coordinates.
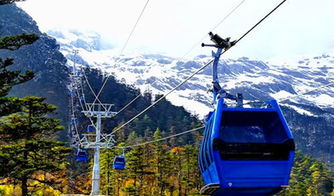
(158, 168)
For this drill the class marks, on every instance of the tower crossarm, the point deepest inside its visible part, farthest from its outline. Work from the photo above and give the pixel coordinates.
(97, 109)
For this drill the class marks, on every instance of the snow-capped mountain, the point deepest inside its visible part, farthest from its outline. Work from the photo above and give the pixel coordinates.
(286, 81)
(310, 116)
(301, 85)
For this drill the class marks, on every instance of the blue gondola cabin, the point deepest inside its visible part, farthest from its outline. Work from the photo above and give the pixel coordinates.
(244, 151)
(90, 128)
(119, 162)
(82, 156)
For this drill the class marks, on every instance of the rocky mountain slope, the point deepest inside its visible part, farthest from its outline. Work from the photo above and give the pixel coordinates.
(42, 57)
(255, 79)
(301, 86)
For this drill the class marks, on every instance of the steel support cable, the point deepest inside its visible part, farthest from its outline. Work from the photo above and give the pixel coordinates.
(197, 43)
(74, 123)
(82, 94)
(230, 13)
(220, 22)
(84, 108)
(90, 118)
(164, 96)
(126, 43)
(92, 122)
(81, 105)
(196, 72)
(306, 92)
(81, 85)
(291, 97)
(93, 92)
(133, 100)
(216, 26)
(90, 87)
(134, 27)
(127, 105)
(266, 16)
(161, 139)
(85, 104)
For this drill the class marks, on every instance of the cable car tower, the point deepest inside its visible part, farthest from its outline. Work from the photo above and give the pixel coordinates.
(94, 138)
(98, 111)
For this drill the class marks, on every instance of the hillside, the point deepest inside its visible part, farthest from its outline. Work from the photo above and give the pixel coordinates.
(42, 57)
(310, 115)
(51, 81)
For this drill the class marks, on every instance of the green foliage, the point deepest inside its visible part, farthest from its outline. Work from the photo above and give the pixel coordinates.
(164, 115)
(152, 169)
(9, 78)
(31, 123)
(42, 57)
(313, 134)
(27, 150)
(3, 2)
(26, 157)
(17, 41)
(309, 177)
(160, 169)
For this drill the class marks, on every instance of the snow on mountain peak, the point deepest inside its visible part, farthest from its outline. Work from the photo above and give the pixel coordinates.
(255, 79)
(88, 41)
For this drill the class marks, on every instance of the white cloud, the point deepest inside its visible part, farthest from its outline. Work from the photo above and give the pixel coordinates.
(174, 26)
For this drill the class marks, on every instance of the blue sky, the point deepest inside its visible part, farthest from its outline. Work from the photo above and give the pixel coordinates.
(173, 27)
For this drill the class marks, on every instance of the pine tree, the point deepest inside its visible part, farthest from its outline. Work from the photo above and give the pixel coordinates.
(190, 168)
(28, 148)
(161, 163)
(9, 78)
(177, 171)
(309, 177)
(107, 171)
(135, 169)
(4, 2)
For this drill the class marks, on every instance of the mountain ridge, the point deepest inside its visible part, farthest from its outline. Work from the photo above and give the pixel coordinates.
(163, 73)
(256, 79)
(311, 122)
